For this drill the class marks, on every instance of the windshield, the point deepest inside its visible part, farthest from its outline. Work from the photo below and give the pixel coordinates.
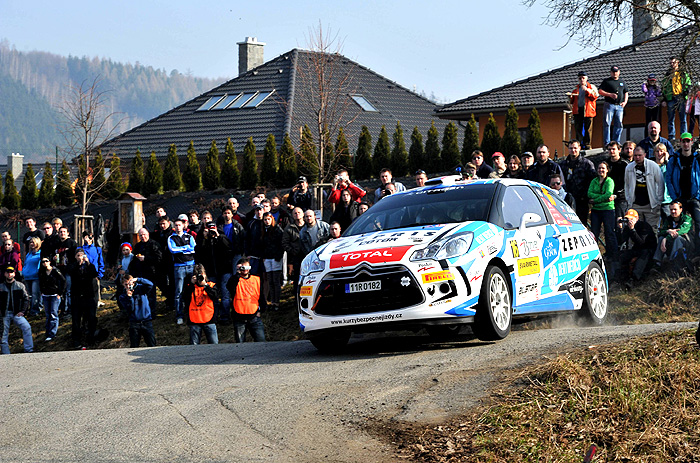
(436, 205)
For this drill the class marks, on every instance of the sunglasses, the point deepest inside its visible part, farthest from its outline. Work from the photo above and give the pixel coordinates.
(686, 141)
(556, 183)
(419, 172)
(48, 228)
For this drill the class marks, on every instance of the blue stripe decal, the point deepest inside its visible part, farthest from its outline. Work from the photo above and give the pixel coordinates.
(561, 301)
(464, 309)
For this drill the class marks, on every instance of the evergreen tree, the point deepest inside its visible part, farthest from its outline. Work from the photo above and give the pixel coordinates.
(192, 178)
(287, 174)
(137, 174)
(46, 193)
(399, 155)
(270, 163)
(534, 132)
(491, 142)
(433, 160)
(308, 166)
(249, 174)
(115, 185)
(64, 191)
(230, 174)
(172, 178)
(471, 140)
(153, 180)
(451, 156)
(11, 198)
(212, 168)
(416, 153)
(511, 138)
(342, 152)
(29, 194)
(363, 155)
(382, 152)
(98, 176)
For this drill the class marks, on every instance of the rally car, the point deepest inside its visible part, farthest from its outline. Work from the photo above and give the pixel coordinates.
(481, 252)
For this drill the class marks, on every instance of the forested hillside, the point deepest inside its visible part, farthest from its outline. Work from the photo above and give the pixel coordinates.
(33, 84)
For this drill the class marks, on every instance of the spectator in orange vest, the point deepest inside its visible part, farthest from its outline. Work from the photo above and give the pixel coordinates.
(200, 297)
(247, 300)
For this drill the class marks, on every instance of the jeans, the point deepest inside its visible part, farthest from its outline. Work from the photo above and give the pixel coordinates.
(613, 115)
(24, 325)
(225, 313)
(51, 304)
(209, 331)
(676, 104)
(254, 325)
(138, 329)
(34, 291)
(181, 274)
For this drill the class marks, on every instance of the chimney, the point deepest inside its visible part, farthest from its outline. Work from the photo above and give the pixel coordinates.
(15, 164)
(250, 54)
(645, 24)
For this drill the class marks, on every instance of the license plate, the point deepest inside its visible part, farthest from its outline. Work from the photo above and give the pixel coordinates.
(375, 285)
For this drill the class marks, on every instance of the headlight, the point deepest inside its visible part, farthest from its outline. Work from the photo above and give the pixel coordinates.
(446, 248)
(311, 264)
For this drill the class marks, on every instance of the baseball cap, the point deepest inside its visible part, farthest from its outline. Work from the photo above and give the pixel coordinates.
(686, 135)
(632, 214)
(651, 77)
(301, 179)
(259, 206)
(497, 154)
(182, 217)
(527, 154)
(614, 69)
(582, 74)
(9, 268)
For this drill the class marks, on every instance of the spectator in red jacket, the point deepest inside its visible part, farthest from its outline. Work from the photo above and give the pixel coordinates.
(342, 182)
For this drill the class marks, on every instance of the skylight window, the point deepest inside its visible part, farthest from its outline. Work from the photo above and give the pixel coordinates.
(259, 98)
(224, 102)
(210, 102)
(364, 104)
(242, 100)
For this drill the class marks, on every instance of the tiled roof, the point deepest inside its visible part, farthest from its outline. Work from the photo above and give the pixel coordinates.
(636, 62)
(287, 109)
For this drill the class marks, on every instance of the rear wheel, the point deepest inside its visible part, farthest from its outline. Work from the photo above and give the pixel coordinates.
(494, 313)
(331, 342)
(595, 302)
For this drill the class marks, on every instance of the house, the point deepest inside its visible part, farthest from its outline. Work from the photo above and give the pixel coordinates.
(548, 92)
(279, 97)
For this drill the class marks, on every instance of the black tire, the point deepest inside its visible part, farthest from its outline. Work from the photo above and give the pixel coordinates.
(441, 333)
(494, 313)
(331, 342)
(595, 296)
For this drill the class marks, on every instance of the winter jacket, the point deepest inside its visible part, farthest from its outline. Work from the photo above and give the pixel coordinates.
(12, 259)
(578, 174)
(683, 225)
(590, 100)
(253, 238)
(542, 172)
(357, 193)
(30, 269)
(53, 283)
(655, 183)
(649, 146)
(181, 247)
(652, 95)
(137, 305)
(152, 257)
(215, 253)
(322, 231)
(292, 244)
(94, 255)
(642, 236)
(272, 243)
(673, 176)
(345, 215)
(600, 194)
(667, 85)
(16, 294)
(83, 281)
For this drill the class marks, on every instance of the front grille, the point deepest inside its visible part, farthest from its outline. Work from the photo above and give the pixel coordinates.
(400, 289)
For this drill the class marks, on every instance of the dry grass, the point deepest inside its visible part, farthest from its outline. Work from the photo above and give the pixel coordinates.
(638, 402)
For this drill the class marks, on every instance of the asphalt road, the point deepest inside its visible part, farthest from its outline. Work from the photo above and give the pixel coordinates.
(277, 401)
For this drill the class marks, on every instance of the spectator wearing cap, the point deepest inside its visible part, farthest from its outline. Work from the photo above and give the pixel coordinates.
(182, 247)
(637, 244)
(527, 160)
(615, 92)
(645, 187)
(683, 178)
(653, 139)
(386, 177)
(675, 86)
(514, 169)
(583, 102)
(123, 265)
(421, 178)
(499, 165)
(186, 223)
(483, 170)
(300, 196)
(14, 302)
(544, 168)
(652, 101)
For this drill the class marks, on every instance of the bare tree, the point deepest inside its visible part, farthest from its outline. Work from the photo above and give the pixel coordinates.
(327, 86)
(86, 124)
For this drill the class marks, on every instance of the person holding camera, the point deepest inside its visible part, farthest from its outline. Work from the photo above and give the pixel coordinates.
(201, 298)
(637, 243)
(248, 297)
(52, 283)
(300, 196)
(386, 177)
(341, 183)
(215, 253)
(134, 299)
(83, 276)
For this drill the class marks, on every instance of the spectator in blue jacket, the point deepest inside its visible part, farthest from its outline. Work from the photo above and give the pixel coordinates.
(181, 246)
(135, 300)
(30, 272)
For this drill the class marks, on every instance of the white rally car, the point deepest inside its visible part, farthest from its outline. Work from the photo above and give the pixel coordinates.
(452, 253)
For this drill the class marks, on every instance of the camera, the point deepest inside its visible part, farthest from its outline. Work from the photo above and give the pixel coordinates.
(211, 226)
(200, 278)
(624, 220)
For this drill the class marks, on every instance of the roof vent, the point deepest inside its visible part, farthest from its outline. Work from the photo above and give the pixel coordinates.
(250, 54)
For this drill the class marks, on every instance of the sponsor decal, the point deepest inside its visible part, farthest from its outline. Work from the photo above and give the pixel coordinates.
(527, 288)
(492, 249)
(575, 243)
(550, 251)
(439, 302)
(405, 281)
(553, 277)
(373, 318)
(437, 276)
(529, 266)
(372, 256)
(486, 235)
(570, 266)
(305, 291)
(526, 247)
(514, 248)
(431, 290)
(425, 267)
(475, 277)
(310, 279)
(576, 289)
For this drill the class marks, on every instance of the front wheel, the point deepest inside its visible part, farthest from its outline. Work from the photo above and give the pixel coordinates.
(595, 302)
(494, 312)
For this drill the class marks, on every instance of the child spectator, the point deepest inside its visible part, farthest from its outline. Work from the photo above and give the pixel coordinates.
(247, 300)
(653, 95)
(122, 269)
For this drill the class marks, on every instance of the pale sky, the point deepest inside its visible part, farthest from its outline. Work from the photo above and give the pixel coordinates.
(453, 49)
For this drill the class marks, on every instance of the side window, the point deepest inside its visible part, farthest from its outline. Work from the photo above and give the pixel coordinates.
(516, 202)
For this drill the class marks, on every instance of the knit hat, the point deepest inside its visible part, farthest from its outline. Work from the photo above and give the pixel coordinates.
(127, 245)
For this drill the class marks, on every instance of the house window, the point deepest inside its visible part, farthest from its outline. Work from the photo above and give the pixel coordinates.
(224, 102)
(210, 102)
(242, 100)
(364, 104)
(632, 133)
(257, 99)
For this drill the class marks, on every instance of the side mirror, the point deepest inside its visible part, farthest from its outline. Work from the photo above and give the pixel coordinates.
(530, 217)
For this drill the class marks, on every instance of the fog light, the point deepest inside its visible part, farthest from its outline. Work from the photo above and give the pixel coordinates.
(444, 288)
